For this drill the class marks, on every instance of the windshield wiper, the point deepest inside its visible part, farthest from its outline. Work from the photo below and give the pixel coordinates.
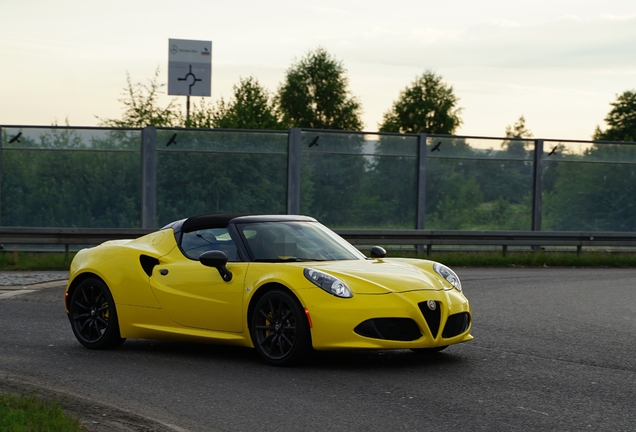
(296, 259)
(290, 259)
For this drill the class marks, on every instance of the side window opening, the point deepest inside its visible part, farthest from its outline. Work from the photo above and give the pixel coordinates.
(194, 243)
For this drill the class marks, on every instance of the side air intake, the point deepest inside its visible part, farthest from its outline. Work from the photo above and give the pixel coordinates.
(148, 263)
(397, 329)
(456, 325)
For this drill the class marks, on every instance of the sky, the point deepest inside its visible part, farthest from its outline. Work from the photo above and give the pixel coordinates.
(559, 63)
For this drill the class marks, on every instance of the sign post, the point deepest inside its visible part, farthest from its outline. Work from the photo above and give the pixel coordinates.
(189, 69)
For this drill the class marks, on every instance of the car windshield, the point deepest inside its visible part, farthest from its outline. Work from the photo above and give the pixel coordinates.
(295, 241)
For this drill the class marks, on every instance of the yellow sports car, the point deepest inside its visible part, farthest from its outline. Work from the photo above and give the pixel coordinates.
(282, 284)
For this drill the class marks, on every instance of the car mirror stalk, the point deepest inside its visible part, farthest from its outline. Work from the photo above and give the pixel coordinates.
(218, 260)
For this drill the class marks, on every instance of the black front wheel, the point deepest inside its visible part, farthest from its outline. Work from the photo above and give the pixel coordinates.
(93, 315)
(280, 329)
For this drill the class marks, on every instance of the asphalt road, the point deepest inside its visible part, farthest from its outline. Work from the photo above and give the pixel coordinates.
(554, 349)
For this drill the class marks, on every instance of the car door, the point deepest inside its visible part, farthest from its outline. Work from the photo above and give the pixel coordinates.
(194, 295)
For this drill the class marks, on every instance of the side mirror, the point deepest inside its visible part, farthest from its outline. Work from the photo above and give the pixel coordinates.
(378, 252)
(216, 259)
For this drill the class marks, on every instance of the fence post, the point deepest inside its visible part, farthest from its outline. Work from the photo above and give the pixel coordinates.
(421, 188)
(149, 177)
(293, 171)
(1, 142)
(537, 186)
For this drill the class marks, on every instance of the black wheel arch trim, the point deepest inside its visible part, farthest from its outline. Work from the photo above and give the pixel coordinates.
(76, 281)
(264, 289)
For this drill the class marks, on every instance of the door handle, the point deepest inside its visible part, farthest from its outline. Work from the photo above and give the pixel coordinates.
(163, 272)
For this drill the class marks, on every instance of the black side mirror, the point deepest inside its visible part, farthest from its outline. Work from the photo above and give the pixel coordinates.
(378, 252)
(216, 259)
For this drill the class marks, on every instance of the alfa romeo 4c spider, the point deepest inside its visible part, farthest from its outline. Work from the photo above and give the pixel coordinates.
(284, 285)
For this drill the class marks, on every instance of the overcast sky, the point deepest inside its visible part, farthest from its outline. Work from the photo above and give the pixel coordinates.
(557, 62)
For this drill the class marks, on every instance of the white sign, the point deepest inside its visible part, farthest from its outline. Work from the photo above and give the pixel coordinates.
(189, 67)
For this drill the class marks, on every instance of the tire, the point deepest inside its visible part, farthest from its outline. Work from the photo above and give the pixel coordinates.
(93, 315)
(280, 330)
(428, 351)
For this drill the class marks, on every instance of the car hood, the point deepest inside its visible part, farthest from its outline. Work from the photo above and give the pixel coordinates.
(383, 276)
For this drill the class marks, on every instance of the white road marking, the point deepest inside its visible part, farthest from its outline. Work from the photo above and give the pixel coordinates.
(6, 294)
(16, 290)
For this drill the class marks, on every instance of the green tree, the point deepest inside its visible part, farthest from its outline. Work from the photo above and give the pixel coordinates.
(251, 107)
(458, 203)
(592, 197)
(621, 120)
(46, 174)
(141, 107)
(598, 195)
(315, 94)
(428, 105)
(519, 129)
(516, 147)
(509, 176)
(198, 182)
(332, 175)
(211, 171)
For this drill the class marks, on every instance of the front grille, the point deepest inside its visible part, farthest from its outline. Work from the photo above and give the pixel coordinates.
(456, 325)
(398, 329)
(432, 317)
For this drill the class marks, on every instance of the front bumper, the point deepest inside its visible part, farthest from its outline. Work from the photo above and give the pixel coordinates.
(335, 319)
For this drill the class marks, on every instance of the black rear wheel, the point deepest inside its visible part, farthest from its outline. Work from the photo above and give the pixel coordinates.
(280, 329)
(93, 315)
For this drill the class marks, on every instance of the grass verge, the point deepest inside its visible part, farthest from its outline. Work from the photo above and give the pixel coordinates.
(34, 261)
(29, 414)
(530, 259)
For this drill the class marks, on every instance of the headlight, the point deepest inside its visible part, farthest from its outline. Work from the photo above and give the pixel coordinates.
(448, 274)
(329, 283)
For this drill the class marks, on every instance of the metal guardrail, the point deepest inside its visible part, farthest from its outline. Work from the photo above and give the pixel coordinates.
(417, 238)
(430, 238)
(67, 236)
